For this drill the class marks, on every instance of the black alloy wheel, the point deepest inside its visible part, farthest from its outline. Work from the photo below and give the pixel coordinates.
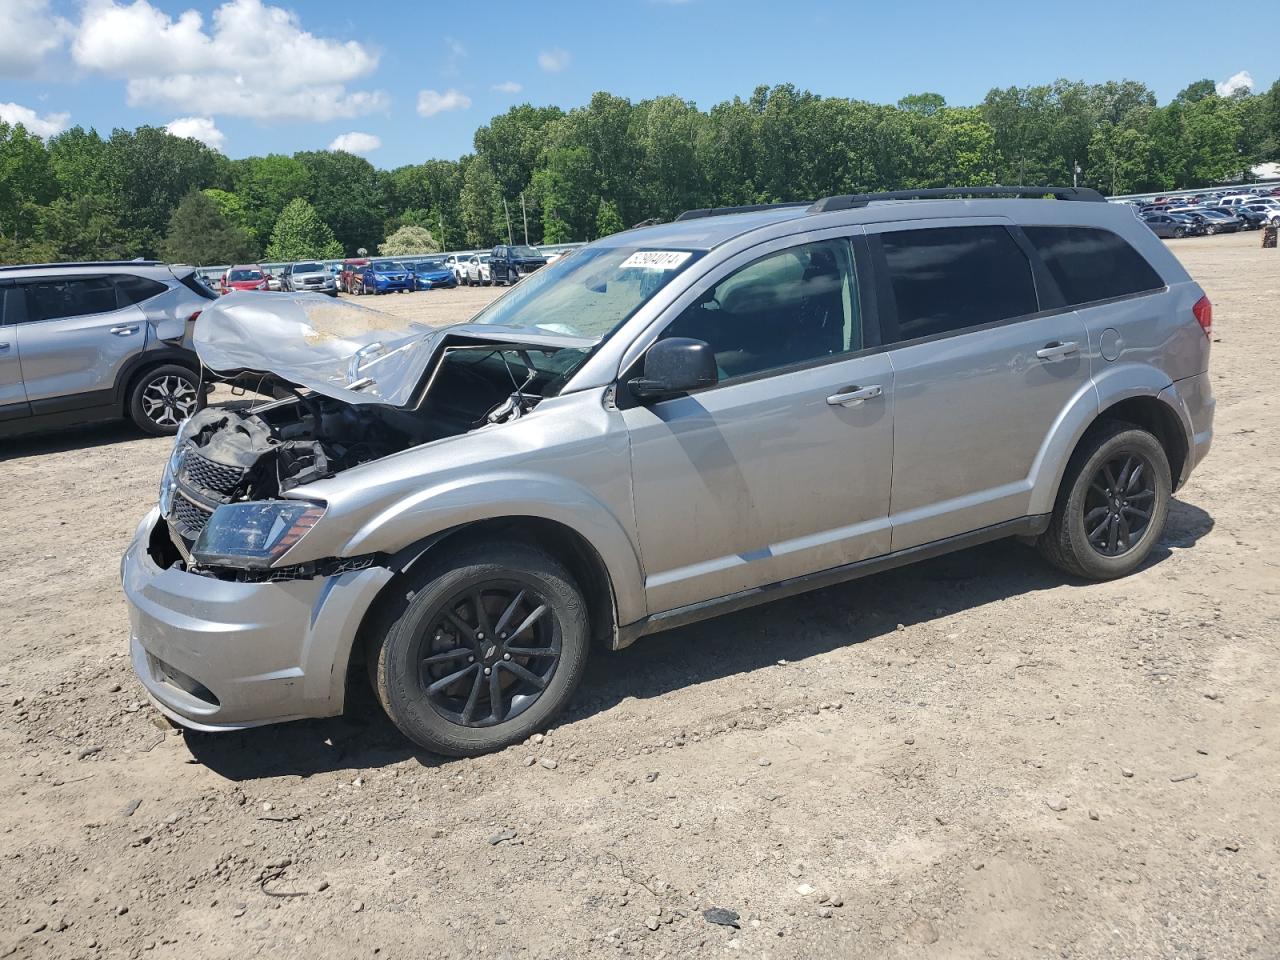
(1112, 504)
(1119, 503)
(489, 653)
(482, 649)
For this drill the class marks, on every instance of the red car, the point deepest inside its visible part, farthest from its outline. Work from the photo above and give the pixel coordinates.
(349, 273)
(244, 278)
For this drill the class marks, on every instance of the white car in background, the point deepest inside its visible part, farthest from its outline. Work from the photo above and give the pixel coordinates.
(457, 262)
(476, 271)
(1269, 207)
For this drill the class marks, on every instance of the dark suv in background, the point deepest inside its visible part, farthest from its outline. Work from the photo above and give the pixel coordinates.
(94, 341)
(510, 263)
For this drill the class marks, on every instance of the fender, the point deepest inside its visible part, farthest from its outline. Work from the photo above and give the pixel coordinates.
(505, 495)
(1112, 385)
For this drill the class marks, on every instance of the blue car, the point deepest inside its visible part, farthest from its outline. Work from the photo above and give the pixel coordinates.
(432, 273)
(386, 276)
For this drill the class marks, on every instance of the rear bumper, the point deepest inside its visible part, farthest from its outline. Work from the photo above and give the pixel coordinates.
(216, 655)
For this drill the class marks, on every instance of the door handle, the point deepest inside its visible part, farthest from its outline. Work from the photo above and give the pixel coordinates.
(124, 331)
(4, 346)
(854, 395)
(1057, 351)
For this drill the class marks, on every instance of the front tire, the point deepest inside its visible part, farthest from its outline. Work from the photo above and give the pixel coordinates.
(162, 398)
(1112, 506)
(486, 649)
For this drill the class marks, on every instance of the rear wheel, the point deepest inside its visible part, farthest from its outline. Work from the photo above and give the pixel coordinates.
(485, 651)
(1112, 506)
(162, 398)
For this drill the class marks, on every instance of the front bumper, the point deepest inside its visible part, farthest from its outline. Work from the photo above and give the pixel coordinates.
(218, 655)
(386, 286)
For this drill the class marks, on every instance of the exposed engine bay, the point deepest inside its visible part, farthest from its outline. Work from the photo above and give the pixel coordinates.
(233, 453)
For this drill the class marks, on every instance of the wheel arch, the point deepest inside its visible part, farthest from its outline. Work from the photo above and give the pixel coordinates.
(1144, 398)
(561, 541)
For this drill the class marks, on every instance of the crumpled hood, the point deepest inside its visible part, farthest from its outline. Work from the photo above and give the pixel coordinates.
(338, 348)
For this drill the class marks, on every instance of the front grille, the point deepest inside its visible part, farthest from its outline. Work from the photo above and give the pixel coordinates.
(217, 477)
(187, 518)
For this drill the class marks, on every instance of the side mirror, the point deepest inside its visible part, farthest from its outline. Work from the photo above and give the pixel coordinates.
(674, 366)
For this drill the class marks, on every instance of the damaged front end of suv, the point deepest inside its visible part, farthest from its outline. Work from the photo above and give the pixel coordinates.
(451, 505)
(248, 583)
(352, 392)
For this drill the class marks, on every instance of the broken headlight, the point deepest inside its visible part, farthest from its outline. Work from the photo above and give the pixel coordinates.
(255, 534)
(169, 479)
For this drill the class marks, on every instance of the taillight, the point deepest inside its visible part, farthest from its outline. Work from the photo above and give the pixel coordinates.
(1204, 315)
(192, 318)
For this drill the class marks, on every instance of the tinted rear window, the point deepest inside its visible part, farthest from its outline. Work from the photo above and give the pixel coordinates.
(1091, 264)
(951, 278)
(136, 289)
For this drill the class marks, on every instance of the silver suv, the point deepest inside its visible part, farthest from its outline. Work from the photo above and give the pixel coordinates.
(93, 341)
(309, 277)
(676, 421)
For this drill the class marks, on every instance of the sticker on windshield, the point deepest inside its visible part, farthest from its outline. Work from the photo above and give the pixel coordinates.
(655, 259)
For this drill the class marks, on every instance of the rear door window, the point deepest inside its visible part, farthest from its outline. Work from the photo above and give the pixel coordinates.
(60, 297)
(948, 279)
(1091, 264)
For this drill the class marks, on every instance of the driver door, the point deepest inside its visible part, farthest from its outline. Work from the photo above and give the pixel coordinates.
(783, 468)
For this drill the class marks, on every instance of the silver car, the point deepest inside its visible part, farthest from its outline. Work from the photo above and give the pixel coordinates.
(81, 342)
(309, 277)
(675, 421)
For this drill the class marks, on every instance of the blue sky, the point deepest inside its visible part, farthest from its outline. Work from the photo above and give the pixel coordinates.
(402, 82)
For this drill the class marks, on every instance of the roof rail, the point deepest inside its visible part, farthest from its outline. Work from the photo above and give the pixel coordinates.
(85, 263)
(852, 200)
(749, 208)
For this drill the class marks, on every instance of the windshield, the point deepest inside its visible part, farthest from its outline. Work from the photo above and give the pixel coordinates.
(237, 275)
(382, 266)
(524, 252)
(429, 265)
(307, 268)
(589, 294)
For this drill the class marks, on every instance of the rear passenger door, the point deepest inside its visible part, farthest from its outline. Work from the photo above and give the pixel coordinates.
(981, 372)
(13, 396)
(78, 333)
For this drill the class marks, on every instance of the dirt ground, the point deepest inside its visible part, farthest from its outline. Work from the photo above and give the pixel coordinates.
(972, 757)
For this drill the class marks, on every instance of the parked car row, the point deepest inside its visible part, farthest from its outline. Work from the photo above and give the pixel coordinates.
(1211, 212)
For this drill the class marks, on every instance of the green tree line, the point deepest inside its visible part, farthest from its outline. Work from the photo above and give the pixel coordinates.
(585, 172)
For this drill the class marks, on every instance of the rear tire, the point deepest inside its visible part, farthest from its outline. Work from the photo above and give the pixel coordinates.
(438, 620)
(162, 398)
(1112, 505)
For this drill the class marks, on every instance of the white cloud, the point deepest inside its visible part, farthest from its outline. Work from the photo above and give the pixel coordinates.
(507, 86)
(28, 33)
(553, 61)
(1237, 81)
(51, 124)
(198, 128)
(253, 61)
(431, 102)
(356, 142)
(457, 53)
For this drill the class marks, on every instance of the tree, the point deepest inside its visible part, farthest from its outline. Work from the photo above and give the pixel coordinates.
(607, 219)
(480, 205)
(26, 180)
(149, 171)
(264, 185)
(300, 234)
(348, 194)
(199, 234)
(409, 239)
